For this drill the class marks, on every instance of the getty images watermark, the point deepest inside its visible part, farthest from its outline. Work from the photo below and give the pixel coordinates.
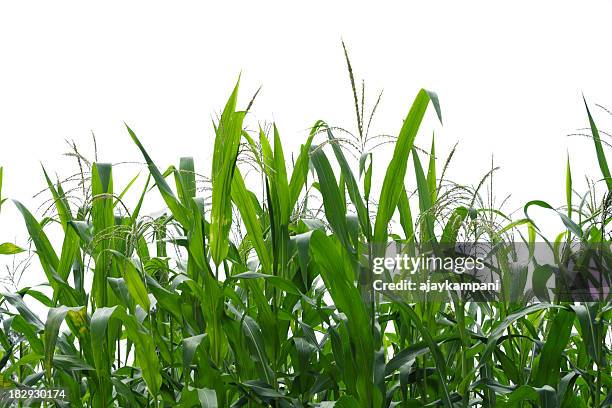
(483, 272)
(406, 264)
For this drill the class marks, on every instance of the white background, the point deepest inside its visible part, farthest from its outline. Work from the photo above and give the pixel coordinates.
(509, 76)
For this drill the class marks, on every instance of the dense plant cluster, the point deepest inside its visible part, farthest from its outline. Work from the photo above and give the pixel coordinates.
(262, 298)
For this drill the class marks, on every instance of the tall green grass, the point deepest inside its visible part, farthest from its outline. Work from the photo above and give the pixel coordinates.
(261, 297)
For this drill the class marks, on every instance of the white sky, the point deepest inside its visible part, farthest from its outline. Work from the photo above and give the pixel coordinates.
(509, 77)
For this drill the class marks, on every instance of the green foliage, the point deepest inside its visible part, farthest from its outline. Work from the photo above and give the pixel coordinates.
(269, 305)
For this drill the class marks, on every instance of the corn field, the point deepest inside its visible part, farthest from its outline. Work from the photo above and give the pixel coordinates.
(254, 288)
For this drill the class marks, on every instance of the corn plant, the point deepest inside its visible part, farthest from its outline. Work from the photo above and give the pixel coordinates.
(261, 297)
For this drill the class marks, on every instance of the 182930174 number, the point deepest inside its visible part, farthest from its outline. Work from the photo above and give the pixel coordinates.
(32, 394)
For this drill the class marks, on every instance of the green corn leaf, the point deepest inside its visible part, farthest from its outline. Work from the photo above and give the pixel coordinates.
(280, 177)
(541, 275)
(32, 358)
(136, 211)
(120, 289)
(187, 172)
(190, 345)
(125, 190)
(207, 398)
(55, 317)
(300, 169)
(227, 141)
(434, 349)
(196, 235)
(17, 302)
(425, 203)
(413, 351)
(571, 225)
(396, 171)
(8, 248)
(339, 277)
(255, 340)
(431, 171)
(169, 301)
(133, 281)
(351, 184)
(302, 244)
(30, 331)
(590, 329)
(41, 297)
(199, 397)
(71, 363)
(601, 156)
(366, 173)
(509, 320)
(332, 198)
(46, 254)
(60, 203)
(103, 221)
(284, 284)
(403, 207)
(178, 210)
(511, 396)
(347, 401)
(99, 342)
(146, 355)
(70, 246)
(242, 199)
(70, 250)
(552, 353)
